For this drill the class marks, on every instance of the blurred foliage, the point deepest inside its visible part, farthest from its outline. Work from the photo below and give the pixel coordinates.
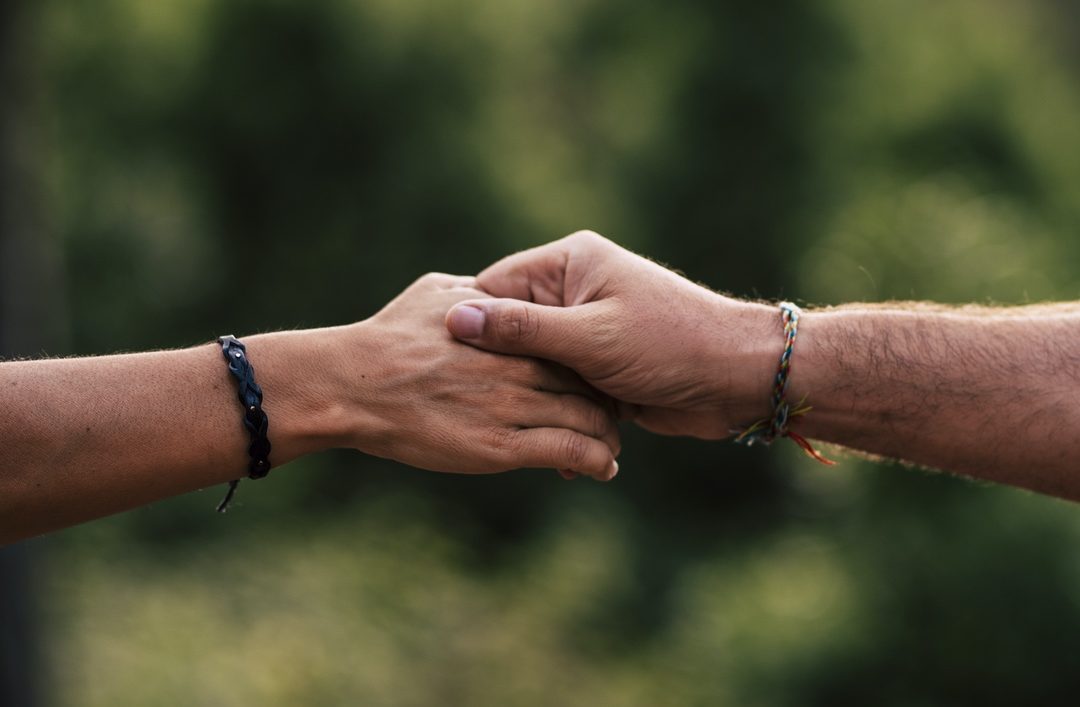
(260, 164)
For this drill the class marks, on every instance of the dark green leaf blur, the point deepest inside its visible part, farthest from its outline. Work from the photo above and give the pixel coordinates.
(203, 168)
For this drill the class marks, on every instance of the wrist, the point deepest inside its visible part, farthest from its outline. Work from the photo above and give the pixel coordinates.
(369, 396)
(741, 358)
(822, 374)
(304, 376)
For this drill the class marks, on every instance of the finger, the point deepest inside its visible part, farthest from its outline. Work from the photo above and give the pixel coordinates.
(444, 281)
(560, 334)
(681, 423)
(574, 412)
(539, 274)
(449, 296)
(438, 296)
(558, 448)
(553, 378)
(533, 275)
(662, 421)
(461, 281)
(567, 474)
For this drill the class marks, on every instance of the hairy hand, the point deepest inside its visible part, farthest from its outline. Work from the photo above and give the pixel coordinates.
(688, 359)
(438, 404)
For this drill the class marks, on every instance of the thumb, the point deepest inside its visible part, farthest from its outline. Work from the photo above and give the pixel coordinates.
(522, 328)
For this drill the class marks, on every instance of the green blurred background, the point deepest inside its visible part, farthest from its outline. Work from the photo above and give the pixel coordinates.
(177, 170)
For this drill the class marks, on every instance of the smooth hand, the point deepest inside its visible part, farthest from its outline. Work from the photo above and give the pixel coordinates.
(424, 399)
(687, 360)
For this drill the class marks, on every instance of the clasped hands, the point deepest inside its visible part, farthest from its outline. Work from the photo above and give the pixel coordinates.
(532, 362)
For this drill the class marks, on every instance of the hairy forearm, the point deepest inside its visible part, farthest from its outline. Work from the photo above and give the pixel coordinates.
(985, 392)
(86, 437)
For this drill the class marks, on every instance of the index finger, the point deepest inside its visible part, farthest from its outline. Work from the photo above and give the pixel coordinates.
(535, 275)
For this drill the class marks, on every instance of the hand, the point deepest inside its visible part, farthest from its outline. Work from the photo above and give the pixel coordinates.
(434, 403)
(689, 360)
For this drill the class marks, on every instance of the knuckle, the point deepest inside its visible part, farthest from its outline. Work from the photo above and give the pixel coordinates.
(575, 449)
(430, 279)
(440, 279)
(501, 438)
(518, 323)
(601, 420)
(516, 371)
(587, 237)
(531, 371)
(517, 399)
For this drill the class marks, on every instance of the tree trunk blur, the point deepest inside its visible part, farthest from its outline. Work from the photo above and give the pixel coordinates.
(30, 320)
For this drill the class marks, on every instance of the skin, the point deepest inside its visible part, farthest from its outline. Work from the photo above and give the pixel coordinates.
(985, 392)
(86, 437)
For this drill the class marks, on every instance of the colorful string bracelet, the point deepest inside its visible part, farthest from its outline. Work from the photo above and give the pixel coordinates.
(767, 430)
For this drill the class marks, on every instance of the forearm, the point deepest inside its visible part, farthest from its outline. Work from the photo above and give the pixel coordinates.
(86, 437)
(985, 392)
(89, 437)
(989, 393)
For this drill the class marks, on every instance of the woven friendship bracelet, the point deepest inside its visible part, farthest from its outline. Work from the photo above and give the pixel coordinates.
(769, 429)
(255, 421)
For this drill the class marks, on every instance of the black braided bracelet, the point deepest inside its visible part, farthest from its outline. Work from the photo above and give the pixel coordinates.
(255, 420)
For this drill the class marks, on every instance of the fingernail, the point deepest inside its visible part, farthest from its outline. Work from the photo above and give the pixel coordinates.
(467, 322)
(614, 470)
